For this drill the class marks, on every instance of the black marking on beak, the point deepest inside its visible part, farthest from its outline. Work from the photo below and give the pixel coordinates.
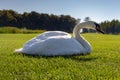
(98, 28)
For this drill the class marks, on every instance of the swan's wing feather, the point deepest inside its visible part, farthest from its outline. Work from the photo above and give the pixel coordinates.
(44, 36)
(62, 46)
(55, 46)
(53, 43)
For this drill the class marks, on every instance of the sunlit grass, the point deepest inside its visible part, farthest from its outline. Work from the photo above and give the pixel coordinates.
(102, 64)
(9, 29)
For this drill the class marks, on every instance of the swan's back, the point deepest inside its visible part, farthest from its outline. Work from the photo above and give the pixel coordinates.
(50, 34)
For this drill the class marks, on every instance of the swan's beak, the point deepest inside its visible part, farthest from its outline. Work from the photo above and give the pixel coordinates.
(98, 28)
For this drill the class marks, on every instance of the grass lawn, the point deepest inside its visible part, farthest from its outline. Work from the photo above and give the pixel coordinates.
(102, 64)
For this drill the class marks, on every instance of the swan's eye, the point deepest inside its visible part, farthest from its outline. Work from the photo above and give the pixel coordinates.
(98, 28)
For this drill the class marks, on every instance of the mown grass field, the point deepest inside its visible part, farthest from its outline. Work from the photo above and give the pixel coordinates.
(102, 64)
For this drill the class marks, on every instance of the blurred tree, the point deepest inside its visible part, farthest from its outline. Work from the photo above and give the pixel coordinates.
(87, 19)
(35, 20)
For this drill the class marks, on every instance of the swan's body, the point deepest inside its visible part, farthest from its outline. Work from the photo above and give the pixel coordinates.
(52, 43)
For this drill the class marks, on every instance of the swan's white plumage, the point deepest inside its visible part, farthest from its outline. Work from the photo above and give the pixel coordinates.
(52, 43)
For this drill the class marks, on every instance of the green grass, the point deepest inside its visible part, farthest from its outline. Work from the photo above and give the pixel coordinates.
(9, 29)
(102, 64)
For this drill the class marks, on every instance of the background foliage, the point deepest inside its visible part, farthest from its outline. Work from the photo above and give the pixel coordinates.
(43, 21)
(34, 20)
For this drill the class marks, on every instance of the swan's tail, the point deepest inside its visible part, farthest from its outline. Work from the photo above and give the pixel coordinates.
(18, 50)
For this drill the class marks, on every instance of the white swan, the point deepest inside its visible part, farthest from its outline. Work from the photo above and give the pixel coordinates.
(52, 43)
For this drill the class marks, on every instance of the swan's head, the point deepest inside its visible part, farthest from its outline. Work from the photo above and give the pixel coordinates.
(93, 25)
(87, 24)
(98, 28)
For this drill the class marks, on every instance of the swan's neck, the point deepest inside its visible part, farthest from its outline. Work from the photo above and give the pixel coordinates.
(80, 39)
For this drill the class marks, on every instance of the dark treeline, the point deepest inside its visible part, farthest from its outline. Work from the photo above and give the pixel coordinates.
(34, 20)
(112, 27)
